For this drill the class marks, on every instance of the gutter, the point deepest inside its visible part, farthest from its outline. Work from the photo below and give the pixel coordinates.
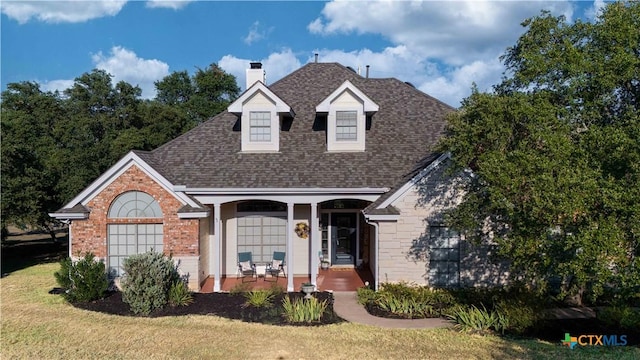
(255, 191)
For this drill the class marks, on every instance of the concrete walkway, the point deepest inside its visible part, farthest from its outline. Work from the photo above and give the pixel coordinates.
(346, 305)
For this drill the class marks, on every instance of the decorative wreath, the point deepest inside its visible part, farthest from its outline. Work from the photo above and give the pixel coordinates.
(302, 230)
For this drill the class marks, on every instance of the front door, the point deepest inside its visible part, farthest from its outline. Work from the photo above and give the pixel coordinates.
(344, 235)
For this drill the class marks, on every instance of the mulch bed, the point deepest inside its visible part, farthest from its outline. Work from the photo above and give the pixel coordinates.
(551, 330)
(227, 305)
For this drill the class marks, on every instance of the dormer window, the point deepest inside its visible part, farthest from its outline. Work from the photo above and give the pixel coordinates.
(346, 125)
(259, 126)
(347, 109)
(259, 110)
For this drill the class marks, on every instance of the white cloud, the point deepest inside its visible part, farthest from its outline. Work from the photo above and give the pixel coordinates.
(276, 65)
(452, 85)
(169, 4)
(453, 32)
(53, 85)
(72, 11)
(595, 10)
(255, 34)
(449, 84)
(125, 65)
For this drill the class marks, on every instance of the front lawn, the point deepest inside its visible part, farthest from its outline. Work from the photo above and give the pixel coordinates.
(38, 325)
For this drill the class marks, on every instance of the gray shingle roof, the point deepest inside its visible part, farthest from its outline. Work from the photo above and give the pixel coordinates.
(402, 133)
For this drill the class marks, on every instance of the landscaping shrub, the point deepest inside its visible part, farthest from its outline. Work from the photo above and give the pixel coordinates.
(475, 320)
(303, 310)
(624, 317)
(240, 288)
(407, 307)
(277, 289)
(147, 281)
(83, 280)
(259, 298)
(366, 295)
(179, 294)
(406, 300)
(519, 316)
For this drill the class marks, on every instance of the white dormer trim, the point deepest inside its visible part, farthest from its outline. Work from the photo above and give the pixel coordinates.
(260, 99)
(346, 98)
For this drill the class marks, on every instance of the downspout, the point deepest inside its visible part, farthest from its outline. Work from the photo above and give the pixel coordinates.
(377, 267)
(68, 223)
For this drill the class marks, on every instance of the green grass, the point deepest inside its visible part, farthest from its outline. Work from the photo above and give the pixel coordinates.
(37, 325)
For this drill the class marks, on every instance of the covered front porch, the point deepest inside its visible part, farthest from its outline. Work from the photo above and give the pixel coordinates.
(336, 242)
(334, 279)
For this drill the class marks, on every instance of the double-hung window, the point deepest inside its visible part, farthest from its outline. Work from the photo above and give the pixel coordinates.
(444, 260)
(260, 126)
(346, 126)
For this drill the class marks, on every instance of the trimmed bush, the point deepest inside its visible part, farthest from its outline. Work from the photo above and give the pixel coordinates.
(147, 281)
(83, 280)
(179, 294)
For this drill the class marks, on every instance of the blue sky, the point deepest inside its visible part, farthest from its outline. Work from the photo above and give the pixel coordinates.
(440, 47)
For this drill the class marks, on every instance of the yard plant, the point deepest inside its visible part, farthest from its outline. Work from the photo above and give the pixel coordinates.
(38, 325)
(147, 281)
(82, 280)
(303, 310)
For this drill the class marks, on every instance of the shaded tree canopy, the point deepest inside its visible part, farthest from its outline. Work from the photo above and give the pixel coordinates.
(555, 154)
(209, 91)
(54, 145)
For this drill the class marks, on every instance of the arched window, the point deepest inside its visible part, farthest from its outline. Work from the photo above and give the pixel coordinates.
(135, 204)
(126, 239)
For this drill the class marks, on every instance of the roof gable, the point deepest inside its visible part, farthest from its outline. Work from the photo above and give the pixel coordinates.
(347, 88)
(259, 89)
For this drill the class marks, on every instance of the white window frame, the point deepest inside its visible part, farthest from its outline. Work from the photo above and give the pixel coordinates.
(126, 239)
(128, 236)
(347, 120)
(260, 120)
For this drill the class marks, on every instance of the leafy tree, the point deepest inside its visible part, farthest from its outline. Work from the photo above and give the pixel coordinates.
(53, 145)
(555, 154)
(29, 118)
(208, 92)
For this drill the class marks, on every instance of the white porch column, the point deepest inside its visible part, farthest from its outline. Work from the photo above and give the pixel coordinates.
(215, 251)
(314, 238)
(290, 228)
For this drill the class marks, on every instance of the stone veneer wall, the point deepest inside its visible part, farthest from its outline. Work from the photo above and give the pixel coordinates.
(180, 235)
(404, 245)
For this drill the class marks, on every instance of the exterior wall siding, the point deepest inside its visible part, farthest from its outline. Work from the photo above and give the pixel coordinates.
(180, 236)
(404, 245)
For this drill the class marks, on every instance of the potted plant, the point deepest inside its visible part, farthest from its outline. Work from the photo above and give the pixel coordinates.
(307, 288)
(324, 264)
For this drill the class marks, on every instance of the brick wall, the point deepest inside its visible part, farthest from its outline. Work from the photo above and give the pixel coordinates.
(180, 235)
